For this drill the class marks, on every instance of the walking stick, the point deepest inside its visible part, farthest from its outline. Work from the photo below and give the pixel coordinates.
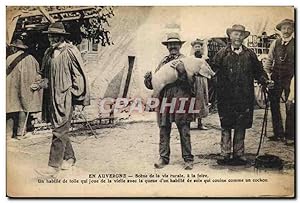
(87, 122)
(26, 119)
(267, 160)
(265, 121)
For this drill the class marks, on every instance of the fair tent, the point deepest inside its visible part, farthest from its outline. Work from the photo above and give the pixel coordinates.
(138, 31)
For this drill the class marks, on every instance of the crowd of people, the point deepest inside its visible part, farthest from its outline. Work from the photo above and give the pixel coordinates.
(236, 67)
(55, 87)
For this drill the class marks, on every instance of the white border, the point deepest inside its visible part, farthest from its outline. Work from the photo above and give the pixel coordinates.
(114, 2)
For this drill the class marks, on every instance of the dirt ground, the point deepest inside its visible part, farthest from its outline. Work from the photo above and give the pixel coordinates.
(131, 147)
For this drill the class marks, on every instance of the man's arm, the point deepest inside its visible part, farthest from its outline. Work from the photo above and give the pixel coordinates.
(216, 62)
(148, 75)
(270, 60)
(292, 91)
(259, 73)
(77, 75)
(38, 83)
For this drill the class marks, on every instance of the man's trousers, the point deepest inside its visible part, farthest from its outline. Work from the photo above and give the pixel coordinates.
(185, 140)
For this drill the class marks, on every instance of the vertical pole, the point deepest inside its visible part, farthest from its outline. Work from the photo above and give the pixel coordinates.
(128, 78)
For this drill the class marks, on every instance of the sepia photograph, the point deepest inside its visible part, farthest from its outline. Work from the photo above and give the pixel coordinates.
(150, 101)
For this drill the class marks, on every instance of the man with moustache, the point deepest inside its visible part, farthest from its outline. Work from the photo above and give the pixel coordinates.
(62, 66)
(236, 68)
(281, 63)
(179, 89)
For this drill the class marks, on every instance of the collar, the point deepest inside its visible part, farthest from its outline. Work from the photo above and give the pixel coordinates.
(237, 50)
(174, 56)
(286, 40)
(234, 49)
(20, 51)
(59, 46)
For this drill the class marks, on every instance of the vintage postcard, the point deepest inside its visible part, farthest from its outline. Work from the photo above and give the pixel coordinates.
(150, 101)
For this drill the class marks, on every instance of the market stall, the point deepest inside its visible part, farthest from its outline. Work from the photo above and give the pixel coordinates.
(83, 23)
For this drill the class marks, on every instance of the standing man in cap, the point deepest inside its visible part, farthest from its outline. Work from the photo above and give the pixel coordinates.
(236, 68)
(179, 89)
(23, 88)
(62, 66)
(281, 63)
(201, 84)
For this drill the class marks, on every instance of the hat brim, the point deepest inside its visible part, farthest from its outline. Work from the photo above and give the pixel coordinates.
(197, 42)
(245, 33)
(278, 27)
(172, 41)
(55, 33)
(19, 46)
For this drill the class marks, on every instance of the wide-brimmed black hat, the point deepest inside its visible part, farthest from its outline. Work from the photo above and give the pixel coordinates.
(56, 28)
(19, 44)
(172, 37)
(283, 22)
(239, 28)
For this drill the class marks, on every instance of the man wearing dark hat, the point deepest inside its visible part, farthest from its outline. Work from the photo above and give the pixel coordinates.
(282, 67)
(179, 89)
(23, 89)
(236, 68)
(62, 66)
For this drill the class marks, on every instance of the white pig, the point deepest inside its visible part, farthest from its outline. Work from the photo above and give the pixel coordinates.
(168, 73)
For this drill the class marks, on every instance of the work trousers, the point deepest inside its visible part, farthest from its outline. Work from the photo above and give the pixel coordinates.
(238, 142)
(185, 140)
(61, 147)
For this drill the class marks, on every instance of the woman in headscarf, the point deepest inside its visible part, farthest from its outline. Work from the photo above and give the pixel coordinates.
(199, 50)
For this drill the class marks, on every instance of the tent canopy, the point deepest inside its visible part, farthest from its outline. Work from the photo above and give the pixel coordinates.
(138, 31)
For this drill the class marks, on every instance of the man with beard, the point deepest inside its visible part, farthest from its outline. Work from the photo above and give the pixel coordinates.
(62, 66)
(281, 64)
(236, 68)
(179, 89)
